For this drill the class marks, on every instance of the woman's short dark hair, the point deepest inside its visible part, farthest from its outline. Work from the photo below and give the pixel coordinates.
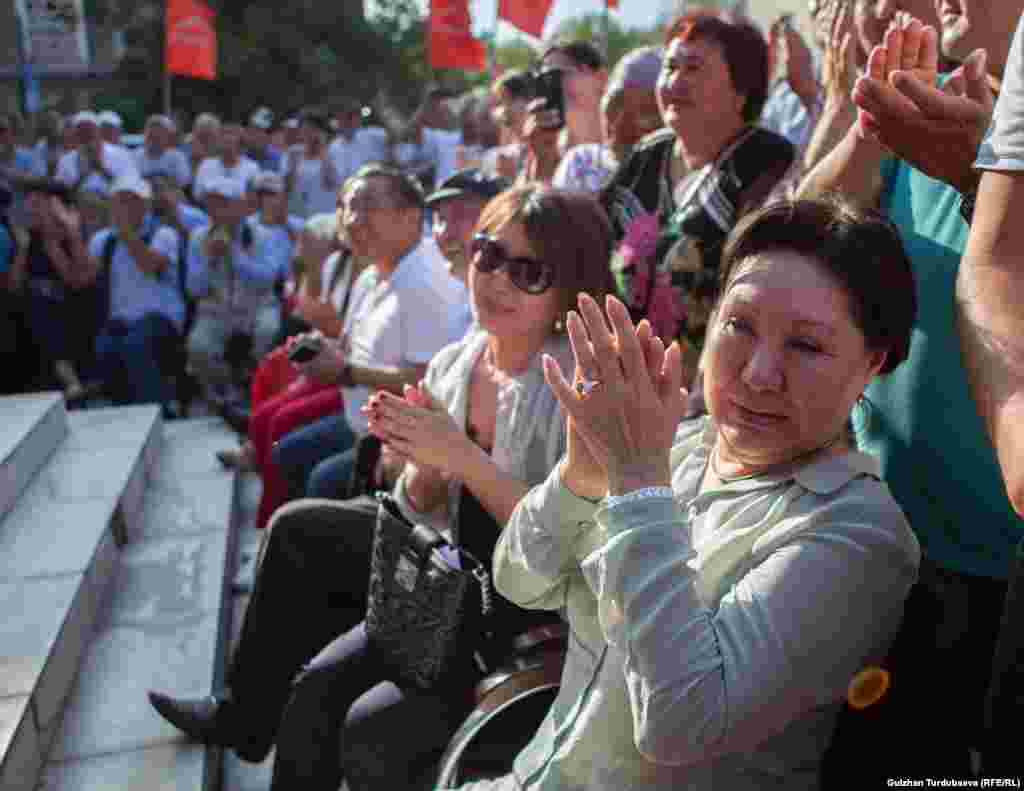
(569, 230)
(580, 52)
(861, 249)
(405, 186)
(743, 47)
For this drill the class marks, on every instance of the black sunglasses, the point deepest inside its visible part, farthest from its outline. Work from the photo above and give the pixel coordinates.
(526, 274)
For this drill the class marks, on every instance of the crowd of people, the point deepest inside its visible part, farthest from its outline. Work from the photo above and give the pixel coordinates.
(719, 362)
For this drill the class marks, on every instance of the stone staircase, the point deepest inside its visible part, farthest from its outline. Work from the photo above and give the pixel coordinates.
(118, 546)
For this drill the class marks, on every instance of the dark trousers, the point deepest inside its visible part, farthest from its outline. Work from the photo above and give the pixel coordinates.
(933, 716)
(346, 720)
(128, 356)
(311, 583)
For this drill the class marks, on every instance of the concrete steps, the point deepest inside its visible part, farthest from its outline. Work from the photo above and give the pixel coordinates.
(114, 540)
(64, 507)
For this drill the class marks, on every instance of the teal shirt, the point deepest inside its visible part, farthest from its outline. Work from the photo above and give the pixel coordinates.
(921, 421)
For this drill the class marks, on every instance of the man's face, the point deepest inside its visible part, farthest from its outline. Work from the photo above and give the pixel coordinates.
(256, 139)
(231, 139)
(368, 211)
(87, 133)
(454, 221)
(967, 25)
(222, 210)
(348, 122)
(155, 137)
(127, 208)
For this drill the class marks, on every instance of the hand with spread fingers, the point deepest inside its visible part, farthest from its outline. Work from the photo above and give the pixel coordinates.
(909, 47)
(627, 400)
(941, 134)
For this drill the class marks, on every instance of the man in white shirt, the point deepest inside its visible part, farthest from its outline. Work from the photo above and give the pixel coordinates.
(158, 155)
(234, 274)
(94, 164)
(111, 127)
(138, 261)
(456, 206)
(398, 318)
(230, 164)
(355, 145)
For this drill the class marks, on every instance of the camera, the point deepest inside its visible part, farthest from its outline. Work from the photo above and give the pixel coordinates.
(306, 349)
(548, 87)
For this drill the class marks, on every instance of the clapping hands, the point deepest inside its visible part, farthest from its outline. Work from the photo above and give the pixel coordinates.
(900, 105)
(622, 427)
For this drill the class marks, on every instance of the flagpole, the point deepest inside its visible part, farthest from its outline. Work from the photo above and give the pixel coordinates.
(493, 45)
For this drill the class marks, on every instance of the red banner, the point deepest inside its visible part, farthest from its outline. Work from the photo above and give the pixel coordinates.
(527, 15)
(452, 45)
(191, 48)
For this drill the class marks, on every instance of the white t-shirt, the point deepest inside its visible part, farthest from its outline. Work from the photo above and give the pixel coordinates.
(309, 196)
(244, 171)
(172, 162)
(401, 321)
(134, 293)
(367, 145)
(116, 159)
(1003, 146)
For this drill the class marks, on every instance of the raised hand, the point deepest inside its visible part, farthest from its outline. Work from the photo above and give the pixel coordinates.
(797, 59)
(938, 130)
(908, 47)
(628, 419)
(839, 67)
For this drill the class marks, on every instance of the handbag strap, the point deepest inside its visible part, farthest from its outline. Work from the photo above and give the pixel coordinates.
(423, 540)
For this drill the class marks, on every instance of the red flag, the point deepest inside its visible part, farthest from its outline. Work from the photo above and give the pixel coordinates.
(452, 45)
(611, 4)
(191, 48)
(527, 15)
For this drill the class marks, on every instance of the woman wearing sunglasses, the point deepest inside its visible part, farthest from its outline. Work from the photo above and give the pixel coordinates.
(476, 434)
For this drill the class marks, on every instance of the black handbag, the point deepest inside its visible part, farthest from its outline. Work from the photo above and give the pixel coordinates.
(420, 611)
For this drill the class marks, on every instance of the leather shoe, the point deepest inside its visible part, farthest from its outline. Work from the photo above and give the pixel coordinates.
(207, 720)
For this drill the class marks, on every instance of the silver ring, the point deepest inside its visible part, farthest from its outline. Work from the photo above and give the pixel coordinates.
(585, 387)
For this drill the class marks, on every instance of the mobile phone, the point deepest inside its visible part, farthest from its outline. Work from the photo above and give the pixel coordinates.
(548, 86)
(305, 350)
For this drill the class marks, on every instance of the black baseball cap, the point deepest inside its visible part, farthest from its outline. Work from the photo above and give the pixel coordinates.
(468, 182)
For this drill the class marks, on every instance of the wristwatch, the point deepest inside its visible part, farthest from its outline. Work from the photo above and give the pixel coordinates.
(967, 205)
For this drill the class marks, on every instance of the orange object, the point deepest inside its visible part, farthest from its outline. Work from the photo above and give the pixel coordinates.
(527, 15)
(191, 47)
(868, 687)
(611, 4)
(452, 44)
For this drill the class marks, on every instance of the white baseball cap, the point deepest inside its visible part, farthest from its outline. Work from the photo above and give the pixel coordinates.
(134, 184)
(225, 187)
(110, 118)
(163, 120)
(263, 118)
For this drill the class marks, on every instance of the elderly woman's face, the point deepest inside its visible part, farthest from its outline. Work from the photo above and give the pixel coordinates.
(695, 91)
(502, 308)
(785, 361)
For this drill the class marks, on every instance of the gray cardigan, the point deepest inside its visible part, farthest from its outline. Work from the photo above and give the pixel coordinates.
(530, 427)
